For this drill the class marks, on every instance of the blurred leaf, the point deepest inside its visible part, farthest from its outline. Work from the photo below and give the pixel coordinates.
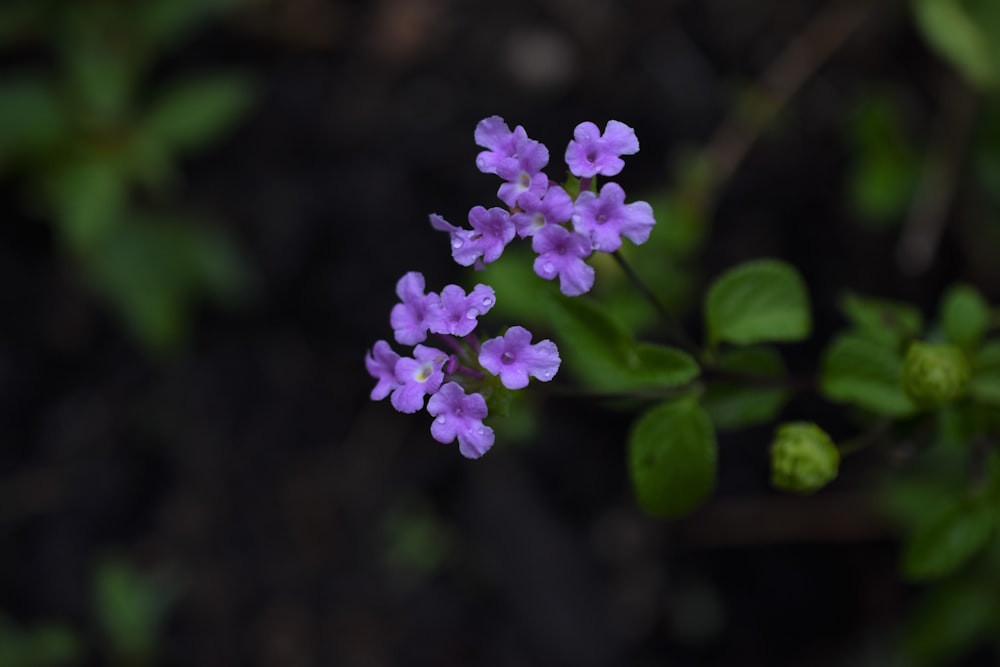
(191, 113)
(886, 322)
(89, 199)
(154, 270)
(672, 458)
(102, 69)
(595, 344)
(131, 608)
(164, 22)
(32, 117)
(758, 301)
(858, 371)
(659, 366)
(950, 619)
(965, 33)
(965, 316)
(45, 645)
(886, 168)
(984, 385)
(732, 405)
(415, 541)
(950, 535)
(18, 19)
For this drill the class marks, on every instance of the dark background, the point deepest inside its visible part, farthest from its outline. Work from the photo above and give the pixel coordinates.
(295, 522)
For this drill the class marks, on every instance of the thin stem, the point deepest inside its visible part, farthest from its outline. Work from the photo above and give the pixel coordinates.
(673, 328)
(779, 83)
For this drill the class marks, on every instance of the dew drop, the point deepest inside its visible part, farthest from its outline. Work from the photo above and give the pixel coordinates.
(471, 314)
(457, 242)
(481, 431)
(441, 419)
(488, 301)
(548, 267)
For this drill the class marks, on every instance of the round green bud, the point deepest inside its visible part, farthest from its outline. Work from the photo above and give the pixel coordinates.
(934, 373)
(803, 458)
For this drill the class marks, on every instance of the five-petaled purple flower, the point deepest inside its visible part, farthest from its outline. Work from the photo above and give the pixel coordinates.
(514, 358)
(381, 365)
(492, 230)
(592, 153)
(459, 416)
(409, 318)
(456, 313)
(493, 134)
(561, 253)
(417, 377)
(605, 218)
(553, 208)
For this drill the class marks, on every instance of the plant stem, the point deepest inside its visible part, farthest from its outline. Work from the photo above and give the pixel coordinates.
(674, 330)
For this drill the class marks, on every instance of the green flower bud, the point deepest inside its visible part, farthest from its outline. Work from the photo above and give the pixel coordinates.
(934, 373)
(803, 458)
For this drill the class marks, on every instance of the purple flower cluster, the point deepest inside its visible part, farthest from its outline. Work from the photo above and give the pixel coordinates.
(563, 231)
(456, 380)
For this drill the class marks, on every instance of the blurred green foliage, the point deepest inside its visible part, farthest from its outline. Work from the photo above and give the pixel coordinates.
(131, 608)
(43, 645)
(97, 148)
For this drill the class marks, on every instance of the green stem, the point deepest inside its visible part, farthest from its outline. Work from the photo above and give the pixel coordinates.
(673, 328)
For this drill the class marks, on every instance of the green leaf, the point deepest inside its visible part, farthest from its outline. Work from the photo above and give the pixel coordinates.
(886, 322)
(961, 37)
(131, 608)
(650, 365)
(596, 345)
(947, 540)
(886, 167)
(759, 301)
(89, 198)
(190, 113)
(733, 405)
(984, 385)
(33, 118)
(672, 458)
(860, 372)
(965, 316)
(949, 620)
(521, 296)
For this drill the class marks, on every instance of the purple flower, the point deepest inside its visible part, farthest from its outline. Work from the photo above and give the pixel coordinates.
(417, 377)
(591, 153)
(456, 314)
(523, 172)
(561, 253)
(491, 231)
(409, 318)
(381, 365)
(493, 134)
(555, 207)
(459, 416)
(606, 218)
(514, 358)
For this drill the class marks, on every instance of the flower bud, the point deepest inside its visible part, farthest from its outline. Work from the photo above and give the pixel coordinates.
(934, 373)
(803, 458)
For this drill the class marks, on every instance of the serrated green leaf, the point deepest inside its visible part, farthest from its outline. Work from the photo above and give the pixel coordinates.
(672, 458)
(190, 113)
(759, 301)
(958, 36)
(965, 316)
(860, 372)
(890, 323)
(984, 385)
(947, 540)
(734, 405)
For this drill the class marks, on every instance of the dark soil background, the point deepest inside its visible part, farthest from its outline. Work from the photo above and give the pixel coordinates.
(301, 524)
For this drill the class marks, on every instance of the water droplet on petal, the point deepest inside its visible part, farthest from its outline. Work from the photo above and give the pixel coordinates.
(481, 431)
(488, 301)
(548, 267)
(456, 242)
(441, 419)
(471, 314)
